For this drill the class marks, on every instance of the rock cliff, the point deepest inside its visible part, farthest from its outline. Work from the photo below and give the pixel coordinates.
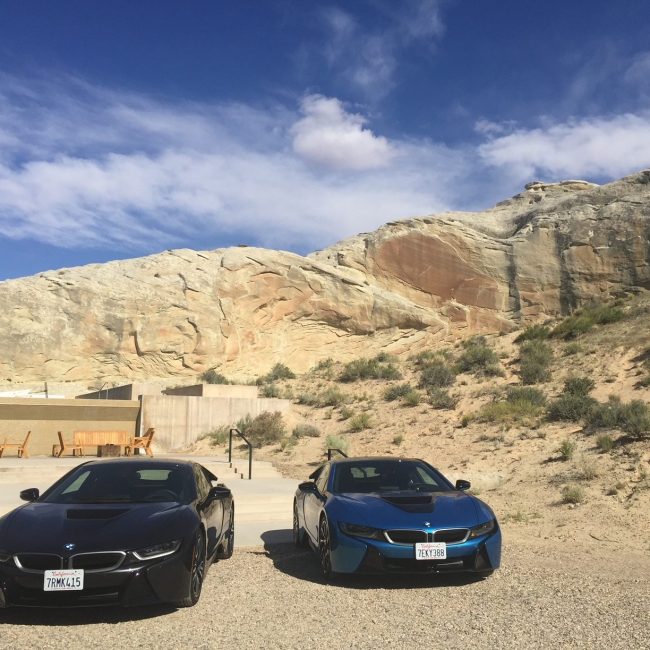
(410, 283)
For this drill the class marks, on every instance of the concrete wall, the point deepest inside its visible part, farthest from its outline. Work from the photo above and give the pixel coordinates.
(128, 391)
(44, 417)
(181, 420)
(214, 390)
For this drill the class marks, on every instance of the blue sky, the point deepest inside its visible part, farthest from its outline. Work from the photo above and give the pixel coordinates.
(127, 128)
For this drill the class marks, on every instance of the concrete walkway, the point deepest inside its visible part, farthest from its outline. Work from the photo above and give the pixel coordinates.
(263, 505)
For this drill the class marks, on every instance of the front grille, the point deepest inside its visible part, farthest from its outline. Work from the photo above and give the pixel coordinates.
(451, 535)
(94, 562)
(38, 562)
(406, 536)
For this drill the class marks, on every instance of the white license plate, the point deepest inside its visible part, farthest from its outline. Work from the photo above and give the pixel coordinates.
(63, 580)
(431, 551)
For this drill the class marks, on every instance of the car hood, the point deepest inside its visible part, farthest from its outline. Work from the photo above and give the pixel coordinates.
(410, 509)
(46, 527)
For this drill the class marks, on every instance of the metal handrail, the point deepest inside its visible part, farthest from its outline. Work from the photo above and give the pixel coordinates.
(250, 450)
(329, 453)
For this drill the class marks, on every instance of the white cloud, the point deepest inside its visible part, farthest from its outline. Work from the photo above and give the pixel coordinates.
(330, 136)
(95, 167)
(593, 147)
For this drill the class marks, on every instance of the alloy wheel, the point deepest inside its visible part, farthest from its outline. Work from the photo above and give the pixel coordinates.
(324, 549)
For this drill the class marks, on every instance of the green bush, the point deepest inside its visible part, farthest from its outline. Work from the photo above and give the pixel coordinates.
(398, 439)
(440, 399)
(305, 430)
(533, 396)
(632, 418)
(605, 442)
(571, 349)
(270, 390)
(412, 398)
(218, 436)
(213, 377)
(535, 358)
(477, 356)
(566, 449)
(573, 494)
(516, 410)
(359, 422)
(532, 372)
(396, 391)
(533, 332)
(570, 408)
(584, 319)
(265, 429)
(578, 386)
(307, 399)
(288, 442)
(436, 374)
(337, 442)
(368, 369)
(279, 371)
(345, 413)
(331, 397)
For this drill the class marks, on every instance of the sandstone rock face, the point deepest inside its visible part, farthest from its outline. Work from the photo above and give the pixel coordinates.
(410, 283)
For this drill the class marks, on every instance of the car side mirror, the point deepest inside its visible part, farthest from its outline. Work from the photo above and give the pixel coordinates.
(219, 492)
(307, 486)
(31, 494)
(463, 485)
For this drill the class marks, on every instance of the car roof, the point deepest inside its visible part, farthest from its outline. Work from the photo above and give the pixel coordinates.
(363, 459)
(151, 462)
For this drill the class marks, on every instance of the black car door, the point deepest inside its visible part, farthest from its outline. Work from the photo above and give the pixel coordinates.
(314, 501)
(211, 511)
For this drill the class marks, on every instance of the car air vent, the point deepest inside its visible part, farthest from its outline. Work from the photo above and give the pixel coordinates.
(104, 513)
(451, 535)
(38, 561)
(406, 536)
(97, 561)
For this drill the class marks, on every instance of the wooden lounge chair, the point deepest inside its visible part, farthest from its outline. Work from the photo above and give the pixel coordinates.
(142, 442)
(22, 446)
(57, 450)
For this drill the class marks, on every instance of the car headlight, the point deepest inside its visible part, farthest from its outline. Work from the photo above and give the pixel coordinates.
(4, 557)
(482, 529)
(356, 530)
(157, 550)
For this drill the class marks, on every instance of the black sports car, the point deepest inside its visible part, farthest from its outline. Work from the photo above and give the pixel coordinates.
(123, 531)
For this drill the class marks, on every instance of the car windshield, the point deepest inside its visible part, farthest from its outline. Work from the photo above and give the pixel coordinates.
(388, 476)
(123, 483)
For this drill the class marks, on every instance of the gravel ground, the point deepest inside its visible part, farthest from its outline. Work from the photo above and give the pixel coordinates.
(273, 597)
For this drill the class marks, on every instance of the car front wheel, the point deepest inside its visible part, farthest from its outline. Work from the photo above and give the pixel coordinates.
(197, 572)
(325, 548)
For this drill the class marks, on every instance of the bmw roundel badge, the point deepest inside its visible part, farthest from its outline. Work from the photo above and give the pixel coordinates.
(69, 547)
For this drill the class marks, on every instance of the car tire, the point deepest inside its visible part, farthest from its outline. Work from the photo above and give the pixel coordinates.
(299, 537)
(485, 574)
(197, 571)
(324, 548)
(228, 545)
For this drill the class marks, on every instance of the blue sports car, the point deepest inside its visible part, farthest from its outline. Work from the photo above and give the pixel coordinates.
(395, 515)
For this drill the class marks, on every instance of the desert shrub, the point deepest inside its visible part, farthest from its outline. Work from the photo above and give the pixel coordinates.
(477, 356)
(412, 398)
(571, 349)
(398, 439)
(587, 468)
(264, 429)
(384, 357)
(337, 442)
(331, 397)
(584, 319)
(440, 399)
(517, 410)
(279, 371)
(218, 436)
(211, 376)
(305, 430)
(532, 396)
(270, 390)
(324, 364)
(573, 494)
(288, 442)
(533, 332)
(566, 449)
(605, 442)
(570, 408)
(308, 399)
(632, 418)
(360, 421)
(578, 386)
(535, 358)
(436, 374)
(368, 369)
(396, 391)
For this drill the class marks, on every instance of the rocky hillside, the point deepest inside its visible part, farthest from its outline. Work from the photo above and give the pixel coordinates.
(410, 283)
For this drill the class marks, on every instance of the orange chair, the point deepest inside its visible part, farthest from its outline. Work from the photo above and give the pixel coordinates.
(142, 442)
(57, 450)
(22, 446)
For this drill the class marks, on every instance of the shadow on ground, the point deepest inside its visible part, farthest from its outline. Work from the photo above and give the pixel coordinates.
(303, 564)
